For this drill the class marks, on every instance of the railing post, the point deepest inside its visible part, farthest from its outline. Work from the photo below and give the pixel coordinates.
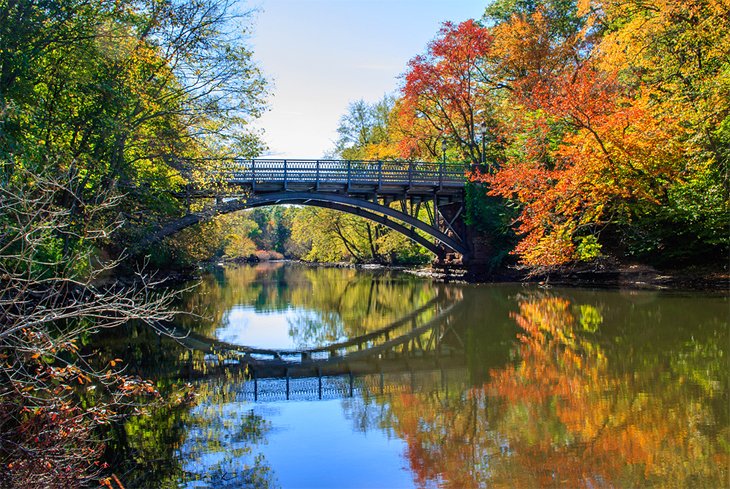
(285, 183)
(441, 175)
(287, 384)
(380, 175)
(348, 174)
(319, 382)
(410, 174)
(316, 178)
(253, 174)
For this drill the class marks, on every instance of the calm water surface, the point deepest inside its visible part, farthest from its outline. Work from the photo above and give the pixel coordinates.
(518, 387)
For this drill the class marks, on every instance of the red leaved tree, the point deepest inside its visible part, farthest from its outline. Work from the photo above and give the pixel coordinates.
(448, 93)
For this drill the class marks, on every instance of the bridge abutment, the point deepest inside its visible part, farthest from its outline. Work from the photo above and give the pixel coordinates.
(479, 245)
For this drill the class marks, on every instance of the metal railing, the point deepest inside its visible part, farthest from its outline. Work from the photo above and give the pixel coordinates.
(349, 172)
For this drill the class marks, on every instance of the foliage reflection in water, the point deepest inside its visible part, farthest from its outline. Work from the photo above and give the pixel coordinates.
(571, 388)
(320, 305)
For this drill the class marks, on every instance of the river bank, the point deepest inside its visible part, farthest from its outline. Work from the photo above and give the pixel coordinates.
(600, 274)
(635, 276)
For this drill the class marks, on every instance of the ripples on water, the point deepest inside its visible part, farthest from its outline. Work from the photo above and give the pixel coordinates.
(530, 388)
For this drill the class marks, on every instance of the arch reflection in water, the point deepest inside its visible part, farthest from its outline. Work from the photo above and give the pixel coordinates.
(321, 305)
(419, 340)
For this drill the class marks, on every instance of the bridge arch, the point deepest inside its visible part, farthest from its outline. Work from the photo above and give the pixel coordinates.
(373, 211)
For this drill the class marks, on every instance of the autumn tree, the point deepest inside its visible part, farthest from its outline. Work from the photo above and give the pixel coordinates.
(331, 235)
(103, 105)
(369, 132)
(54, 402)
(606, 120)
(676, 54)
(449, 94)
(366, 131)
(274, 228)
(125, 96)
(595, 155)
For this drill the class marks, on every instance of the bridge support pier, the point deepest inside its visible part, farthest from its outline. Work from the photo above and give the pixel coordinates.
(480, 252)
(450, 220)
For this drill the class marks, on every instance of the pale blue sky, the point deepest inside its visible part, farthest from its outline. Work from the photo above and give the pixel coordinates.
(320, 55)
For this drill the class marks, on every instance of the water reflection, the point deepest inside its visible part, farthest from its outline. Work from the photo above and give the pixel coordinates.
(291, 305)
(243, 325)
(600, 394)
(559, 388)
(219, 448)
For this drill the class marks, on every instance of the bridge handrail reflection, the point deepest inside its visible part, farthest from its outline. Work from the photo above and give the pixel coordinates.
(306, 364)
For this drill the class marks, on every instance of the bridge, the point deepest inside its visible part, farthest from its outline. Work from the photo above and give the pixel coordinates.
(422, 200)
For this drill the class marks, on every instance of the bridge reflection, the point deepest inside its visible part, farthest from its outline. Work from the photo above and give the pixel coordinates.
(410, 377)
(420, 345)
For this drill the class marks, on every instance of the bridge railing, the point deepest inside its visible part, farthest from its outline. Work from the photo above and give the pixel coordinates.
(348, 172)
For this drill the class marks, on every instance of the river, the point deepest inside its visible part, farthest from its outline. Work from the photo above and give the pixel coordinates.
(434, 385)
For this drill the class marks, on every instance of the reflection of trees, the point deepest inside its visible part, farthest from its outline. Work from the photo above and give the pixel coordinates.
(221, 438)
(209, 437)
(330, 303)
(367, 413)
(192, 435)
(314, 329)
(579, 408)
(207, 441)
(261, 286)
(445, 435)
(348, 303)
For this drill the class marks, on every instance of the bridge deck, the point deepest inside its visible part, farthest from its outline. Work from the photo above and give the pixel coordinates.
(349, 176)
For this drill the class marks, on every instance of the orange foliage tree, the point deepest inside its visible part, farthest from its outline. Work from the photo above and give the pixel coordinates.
(611, 155)
(601, 135)
(609, 122)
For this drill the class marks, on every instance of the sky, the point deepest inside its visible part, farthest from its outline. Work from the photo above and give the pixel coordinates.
(321, 55)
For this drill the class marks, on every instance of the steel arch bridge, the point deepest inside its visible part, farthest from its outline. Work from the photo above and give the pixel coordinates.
(418, 199)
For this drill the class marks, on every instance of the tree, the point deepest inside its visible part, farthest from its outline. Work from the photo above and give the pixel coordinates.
(126, 96)
(52, 400)
(329, 235)
(103, 106)
(596, 153)
(333, 235)
(677, 54)
(449, 93)
(365, 131)
(274, 228)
